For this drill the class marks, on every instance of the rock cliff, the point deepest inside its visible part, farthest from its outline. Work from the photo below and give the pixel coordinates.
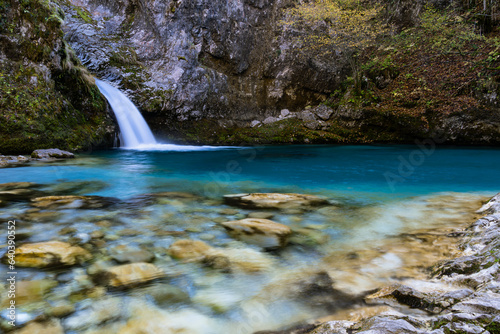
(46, 98)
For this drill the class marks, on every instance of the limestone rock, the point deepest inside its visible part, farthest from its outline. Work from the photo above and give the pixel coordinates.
(306, 116)
(262, 232)
(52, 326)
(274, 200)
(129, 274)
(51, 153)
(324, 112)
(255, 123)
(270, 120)
(51, 253)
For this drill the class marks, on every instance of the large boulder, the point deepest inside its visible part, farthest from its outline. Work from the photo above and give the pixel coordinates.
(261, 232)
(47, 254)
(274, 200)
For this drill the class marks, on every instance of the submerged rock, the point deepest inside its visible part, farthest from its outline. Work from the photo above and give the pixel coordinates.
(262, 232)
(51, 253)
(274, 200)
(128, 254)
(129, 274)
(226, 259)
(73, 202)
(52, 326)
(54, 153)
(186, 249)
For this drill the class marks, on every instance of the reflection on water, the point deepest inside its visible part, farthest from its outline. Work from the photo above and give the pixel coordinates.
(145, 201)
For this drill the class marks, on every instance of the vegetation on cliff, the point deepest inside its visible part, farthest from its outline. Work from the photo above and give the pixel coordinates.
(46, 98)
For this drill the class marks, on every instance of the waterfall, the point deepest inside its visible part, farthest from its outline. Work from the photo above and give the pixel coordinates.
(134, 130)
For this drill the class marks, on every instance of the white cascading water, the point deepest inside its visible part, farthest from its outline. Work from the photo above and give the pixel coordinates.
(134, 130)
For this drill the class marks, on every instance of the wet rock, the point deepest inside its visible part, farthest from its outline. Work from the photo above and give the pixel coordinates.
(226, 259)
(18, 185)
(19, 194)
(318, 291)
(128, 254)
(128, 275)
(52, 326)
(164, 294)
(274, 200)
(150, 320)
(73, 202)
(261, 215)
(54, 153)
(33, 291)
(51, 253)
(60, 311)
(262, 232)
(236, 259)
(96, 312)
(404, 295)
(186, 249)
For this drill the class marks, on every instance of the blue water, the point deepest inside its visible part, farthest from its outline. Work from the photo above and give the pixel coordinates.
(385, 171)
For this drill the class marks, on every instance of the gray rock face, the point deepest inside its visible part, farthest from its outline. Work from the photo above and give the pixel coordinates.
(194, 59)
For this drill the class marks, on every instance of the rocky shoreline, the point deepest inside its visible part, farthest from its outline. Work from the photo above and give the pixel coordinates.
(462, 295)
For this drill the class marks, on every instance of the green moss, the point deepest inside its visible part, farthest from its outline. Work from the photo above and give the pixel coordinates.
(61, 108)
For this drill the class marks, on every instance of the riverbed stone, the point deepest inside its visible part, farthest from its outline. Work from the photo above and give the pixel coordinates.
(274, 200)
(53, 153)
(50, 253)
(261, 215)
(129, 254)
(225, 259)
(261, 232)
(33, 291)
(186, 249)
(72, 202)
(128, 275)
(51, 326)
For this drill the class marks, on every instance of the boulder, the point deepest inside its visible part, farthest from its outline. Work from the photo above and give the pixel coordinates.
(46, 254)
(53, 153)
(306, 116)
(284, 113)
(127, 275)
(261, 232)
(274, 200)
(324, 112)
